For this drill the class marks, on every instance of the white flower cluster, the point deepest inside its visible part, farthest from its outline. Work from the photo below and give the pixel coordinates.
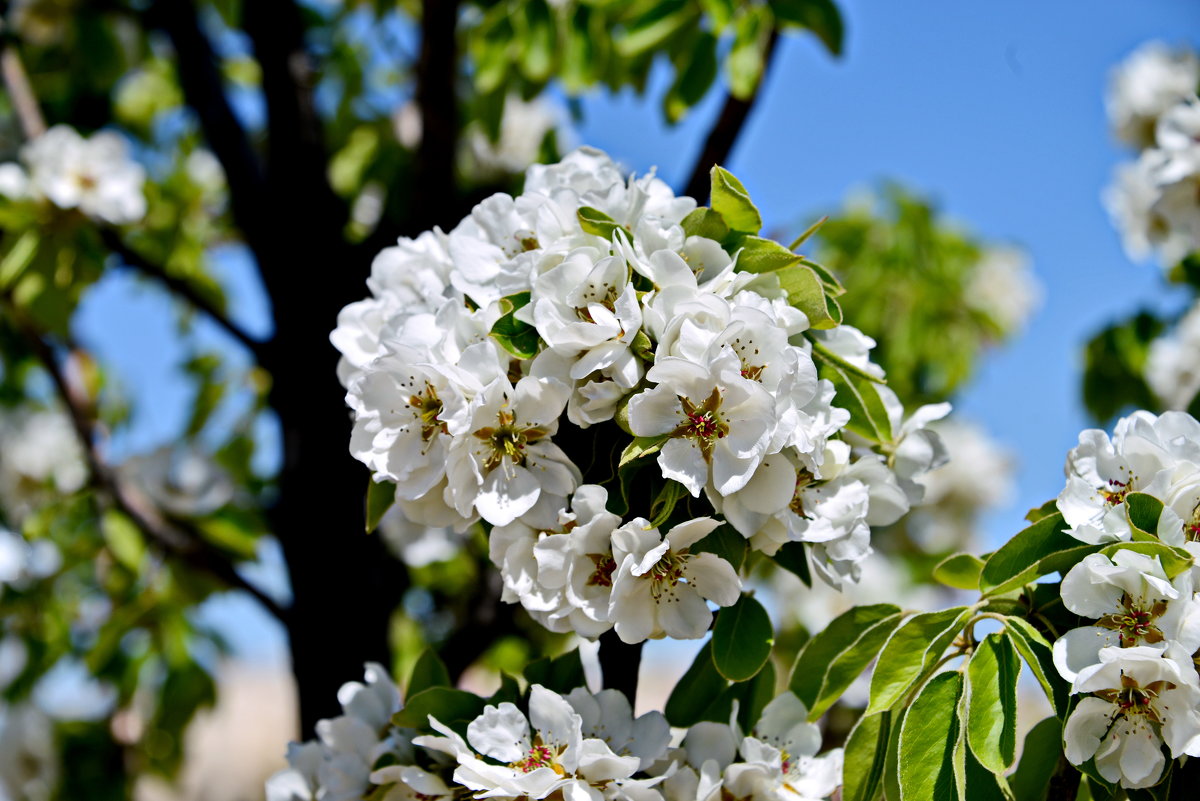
(582, 746)
(95, 175)
(1173, 362)
(1135, 661)
(40, 456)
(1002, 286)
(1153, 106)
(584, 298)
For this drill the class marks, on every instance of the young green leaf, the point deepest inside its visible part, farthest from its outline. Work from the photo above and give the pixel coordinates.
(911, 652)
(1142, 511)
(517, 337)
(927, 741)
(731, 200)
(707, 223)
(695, 690)
(664, 504)
(1036, 653)
(758, 255)
(752, 30)
(593, 221)
(724, 541)
(447, 705)
(819, 16)
(834, 657)
(866, 749)
(793, 556)
(1038, 550)
(992, 702)
(960, 571)
(429, 671)
(823, 354)
(560, 674)
(742, 639)
(807, 293)
(641, 446)
(868, 415)
(1174, 560)
(380, 497)
(1040, 756)
(1045, 510)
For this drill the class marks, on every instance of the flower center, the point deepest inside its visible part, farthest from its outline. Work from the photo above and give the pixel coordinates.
(507, 440)
(539, 756)
(666, 574)
(1134, 622)
(803, 479)
(702, 423)
(1115, 491)
(428, 406)
(1133, 700)
(602, 575)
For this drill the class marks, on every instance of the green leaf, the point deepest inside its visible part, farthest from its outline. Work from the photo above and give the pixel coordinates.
(866, 749)
(380, 497)
(833, 287)
(758, 255)
(819, 16)
(662, 506)
(992, 702)
(124, 540)
(642, 446)
(836, 656)
(807, 293)
(751, 697)
(642, 347)
(653, 29)
(560, 674)
(1045, 510)
(1142, 511)
(1036, 653)
(447, 705)
(593, 221)
(793, 556)
(1174, 560)
(911, 652)
(724, 541)
(539, 41)
(517, 337)
(1038, 550)
(808, 232)
(731, 200)
(707, 223)
(744, 64)
(927, 740)
(868, 416)
(1040, 757)
(960, 571)
(429, 671)
(19, 256)
(696, 69)
(695, 690)
(742, 639)
(823, 354)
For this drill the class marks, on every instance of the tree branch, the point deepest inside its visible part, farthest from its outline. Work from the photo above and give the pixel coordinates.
(16, 81)
(181, 288)
(725, 130)
(437, 68)
(619, 665)
(205, 92)
(175, 538)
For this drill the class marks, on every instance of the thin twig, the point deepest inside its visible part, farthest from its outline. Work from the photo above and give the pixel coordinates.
(176, 538)
(180, 287)
(726, 129)
(16, 81)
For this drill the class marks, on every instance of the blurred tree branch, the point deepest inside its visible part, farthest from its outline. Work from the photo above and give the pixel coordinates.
(726, 129)
(16, 81)
(181, 288)
(177, 539)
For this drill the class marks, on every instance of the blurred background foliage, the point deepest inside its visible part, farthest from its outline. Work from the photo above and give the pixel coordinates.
(302, 137)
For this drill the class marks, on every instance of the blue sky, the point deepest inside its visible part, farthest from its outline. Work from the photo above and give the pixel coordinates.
(996, 110)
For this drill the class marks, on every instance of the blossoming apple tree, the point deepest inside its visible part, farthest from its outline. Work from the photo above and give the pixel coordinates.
(592, 411)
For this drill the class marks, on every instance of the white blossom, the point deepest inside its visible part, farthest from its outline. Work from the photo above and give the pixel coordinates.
(95, 175)
(1173, 362)
(1002, 286)
(660, 587)
(1149, 81)
(1140, 700)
